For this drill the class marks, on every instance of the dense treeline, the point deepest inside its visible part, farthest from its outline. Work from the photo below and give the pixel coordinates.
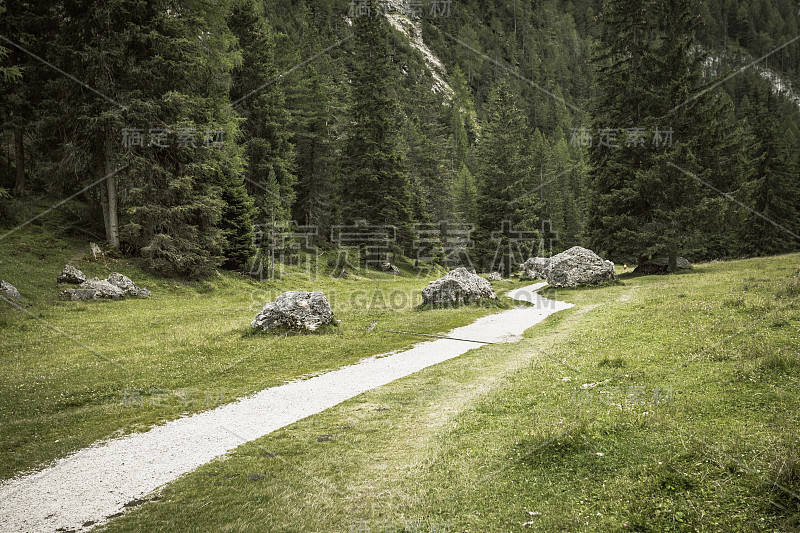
(172, 127)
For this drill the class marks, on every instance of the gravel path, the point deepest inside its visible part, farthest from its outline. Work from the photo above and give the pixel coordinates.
(86, 488)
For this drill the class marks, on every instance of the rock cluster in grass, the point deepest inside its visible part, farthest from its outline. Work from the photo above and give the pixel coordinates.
(116, 286)
(77, 295)
(660, 265)
(299, 310)
(535, 267)
(578, 266)
(9, 291)
(70, 274)
(495, 276)
(459, 286)
(128, 286)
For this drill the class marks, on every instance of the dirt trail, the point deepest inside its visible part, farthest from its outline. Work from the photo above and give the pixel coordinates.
(84, 489)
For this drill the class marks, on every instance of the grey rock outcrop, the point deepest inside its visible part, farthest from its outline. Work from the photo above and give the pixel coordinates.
(660, 265)
(127, 286)
(9, 291)
(495, 276)
(578, 266)
(295, 310)
(536, 267)
(80, 294)
(106, 289)
(70, 274)
(459, 286)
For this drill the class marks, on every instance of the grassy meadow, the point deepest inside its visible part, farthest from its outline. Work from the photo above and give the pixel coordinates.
(661, 403)
(77, 372)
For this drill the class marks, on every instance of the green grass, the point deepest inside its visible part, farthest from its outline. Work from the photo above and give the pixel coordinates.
(77, 372)
(652, 405)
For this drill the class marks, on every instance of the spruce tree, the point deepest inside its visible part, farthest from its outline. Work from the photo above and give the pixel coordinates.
(771, 224)
(256, 94)
(616, 204)
(646, 196)
(507, 199)
(145, 131)
(374, 181)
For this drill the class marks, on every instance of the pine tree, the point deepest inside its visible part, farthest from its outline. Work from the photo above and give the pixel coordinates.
(153, 76)
(647, 196)
(256, 94)
(315, 132)
(374, 181)
(507, 199)
(15, 106)
(772, 192)
(188, 211)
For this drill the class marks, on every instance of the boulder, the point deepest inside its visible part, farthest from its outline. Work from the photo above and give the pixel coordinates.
(459, 286)
(106, 289)
(295, 310)
(495, 276)
(578, 266)
(388, 267)
(660, 265)
(70, 274)
(127, 286)
(80, 294)
(536, 267)
(9, 291)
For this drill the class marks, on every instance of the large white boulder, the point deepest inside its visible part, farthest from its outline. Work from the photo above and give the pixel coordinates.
(459, 286)
(536, 267)
(106, 289)
(579, 266)
(295, 310)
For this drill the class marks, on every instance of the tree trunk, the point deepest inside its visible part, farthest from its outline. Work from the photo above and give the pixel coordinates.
(112, 230)
(673, 261)
(19, 159)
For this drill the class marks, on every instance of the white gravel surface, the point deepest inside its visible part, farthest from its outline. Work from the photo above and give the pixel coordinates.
(84, 489)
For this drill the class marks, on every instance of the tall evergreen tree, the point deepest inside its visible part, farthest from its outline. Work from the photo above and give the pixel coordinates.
(256, 94)
(773, 191)
(374, 181)
(646, 195)
(507, 199)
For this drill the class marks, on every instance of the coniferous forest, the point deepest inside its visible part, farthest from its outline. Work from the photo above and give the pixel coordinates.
(182, 132)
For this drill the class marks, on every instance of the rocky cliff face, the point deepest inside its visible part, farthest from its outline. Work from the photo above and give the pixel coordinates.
(401, 15)
(403, 20)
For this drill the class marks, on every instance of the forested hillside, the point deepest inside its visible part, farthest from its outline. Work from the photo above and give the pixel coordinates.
(198, 135)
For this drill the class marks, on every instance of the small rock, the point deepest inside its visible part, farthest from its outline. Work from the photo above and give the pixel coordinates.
(9, 291)
(388, 267)
(106, 289)
(70, 274)
(660, 265)
(457, 287)
(495, 276)
(295, 310)
(76, 295)
(95, 251)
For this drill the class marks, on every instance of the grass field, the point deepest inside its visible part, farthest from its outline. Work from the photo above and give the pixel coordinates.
(663, 403)
(76, 372)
